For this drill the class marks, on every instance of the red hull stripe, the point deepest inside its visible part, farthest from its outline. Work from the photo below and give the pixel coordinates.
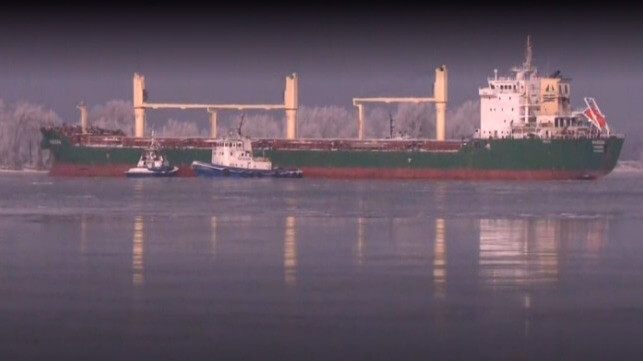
(118, 170)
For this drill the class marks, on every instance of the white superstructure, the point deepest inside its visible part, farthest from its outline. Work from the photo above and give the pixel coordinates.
(529, 105)
(152, 163)
(237, 153)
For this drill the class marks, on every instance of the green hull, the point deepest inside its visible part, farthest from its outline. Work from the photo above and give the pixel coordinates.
(475, 159)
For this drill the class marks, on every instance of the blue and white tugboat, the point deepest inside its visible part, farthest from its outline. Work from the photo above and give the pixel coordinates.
(152, 164)
(233, 158)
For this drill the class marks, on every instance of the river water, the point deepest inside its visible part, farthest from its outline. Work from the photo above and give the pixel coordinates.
(301, 269)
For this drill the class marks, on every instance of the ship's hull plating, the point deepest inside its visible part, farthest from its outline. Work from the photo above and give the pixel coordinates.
(492, 159)
(213, 170)
(148, 173)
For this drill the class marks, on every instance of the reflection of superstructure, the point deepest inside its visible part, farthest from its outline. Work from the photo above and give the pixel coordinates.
(516, 252)
(523, 252)
(596, 236)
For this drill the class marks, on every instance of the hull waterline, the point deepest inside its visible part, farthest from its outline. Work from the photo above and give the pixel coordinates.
(493, 159)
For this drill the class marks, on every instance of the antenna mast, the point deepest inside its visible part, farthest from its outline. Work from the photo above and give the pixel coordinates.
(527, 63)
(240, 125)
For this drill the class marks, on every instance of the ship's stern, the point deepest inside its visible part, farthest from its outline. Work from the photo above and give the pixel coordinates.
(612, 147)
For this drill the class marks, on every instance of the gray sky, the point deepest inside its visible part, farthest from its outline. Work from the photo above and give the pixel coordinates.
(58, 58)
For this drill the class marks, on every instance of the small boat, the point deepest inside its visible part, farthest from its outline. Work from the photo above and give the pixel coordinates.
(152, 164)
(233, 158)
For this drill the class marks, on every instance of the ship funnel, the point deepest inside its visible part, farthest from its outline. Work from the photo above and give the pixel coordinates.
(440, 94)
(138, 101)
(83, 116)
(291, 105)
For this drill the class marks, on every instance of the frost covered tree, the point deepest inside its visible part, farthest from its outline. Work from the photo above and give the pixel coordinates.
(327, 122)
(180, 128)
(463, 120)
(20, 134)
(113, 115)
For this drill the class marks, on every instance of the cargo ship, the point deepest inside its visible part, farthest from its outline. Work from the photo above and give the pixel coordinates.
(528, 131)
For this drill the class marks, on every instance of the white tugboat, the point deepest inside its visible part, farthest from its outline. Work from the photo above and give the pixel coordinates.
(233, 157)
(152, 164)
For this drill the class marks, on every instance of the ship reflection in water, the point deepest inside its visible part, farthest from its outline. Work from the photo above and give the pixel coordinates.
(83, 233)
(290, 251)
(264, 269)
(518, 251)
(213, 236)
(360, 240)
(138, 250)
(510, 253)
(526, 252)
(439, 259)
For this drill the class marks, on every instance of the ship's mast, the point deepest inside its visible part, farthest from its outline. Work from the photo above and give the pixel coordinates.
(527, 101)
(526, 73)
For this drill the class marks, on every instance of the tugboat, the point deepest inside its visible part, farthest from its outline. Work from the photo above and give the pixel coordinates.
(152, 164)
(233, 158)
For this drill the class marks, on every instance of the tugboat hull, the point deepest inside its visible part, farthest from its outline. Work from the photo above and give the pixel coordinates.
(148, 173)
(213, 170)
